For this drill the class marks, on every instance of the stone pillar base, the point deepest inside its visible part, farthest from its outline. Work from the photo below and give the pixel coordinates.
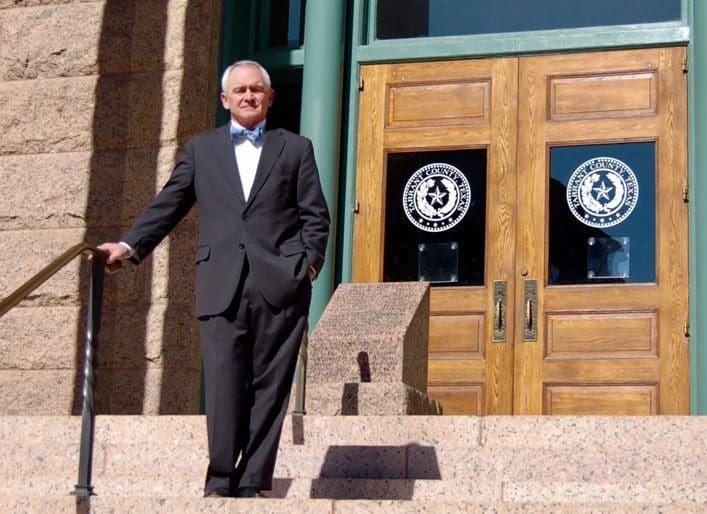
(368, 354)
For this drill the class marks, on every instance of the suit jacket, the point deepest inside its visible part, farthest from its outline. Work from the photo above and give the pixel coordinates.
(282, 228)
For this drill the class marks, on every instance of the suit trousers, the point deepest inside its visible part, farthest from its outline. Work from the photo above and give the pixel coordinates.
(249, 355)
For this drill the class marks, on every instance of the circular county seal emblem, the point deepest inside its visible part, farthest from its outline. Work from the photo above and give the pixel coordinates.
(602, 192)
(436, 197)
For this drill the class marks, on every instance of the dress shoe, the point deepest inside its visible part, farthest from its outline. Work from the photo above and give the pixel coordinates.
(219, 492)
(249, 492)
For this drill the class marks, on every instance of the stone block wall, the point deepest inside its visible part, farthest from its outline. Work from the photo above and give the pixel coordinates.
(96, 98)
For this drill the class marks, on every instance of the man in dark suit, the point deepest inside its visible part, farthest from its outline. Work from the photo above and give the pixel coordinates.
(263, 232)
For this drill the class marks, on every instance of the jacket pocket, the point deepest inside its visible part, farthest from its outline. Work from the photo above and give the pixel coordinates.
(289, 248)
(202, 253)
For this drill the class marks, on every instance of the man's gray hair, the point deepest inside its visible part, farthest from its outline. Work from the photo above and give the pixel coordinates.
(227, 73)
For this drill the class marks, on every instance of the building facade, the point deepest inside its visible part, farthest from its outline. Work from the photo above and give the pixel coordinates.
(541, 165)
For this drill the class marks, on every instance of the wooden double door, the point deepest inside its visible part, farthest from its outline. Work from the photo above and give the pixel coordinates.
(545, 199)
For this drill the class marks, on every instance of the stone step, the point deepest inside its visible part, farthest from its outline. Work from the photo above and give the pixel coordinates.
(650, 490)
(594, 432)
(444, 463)
(516, 492)
(187, 505)
(607, 432)
(392, 462)
(401, 448)
(160, 505)
(307, 430)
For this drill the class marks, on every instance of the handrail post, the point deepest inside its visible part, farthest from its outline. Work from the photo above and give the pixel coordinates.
(301, 377)
(84, 487)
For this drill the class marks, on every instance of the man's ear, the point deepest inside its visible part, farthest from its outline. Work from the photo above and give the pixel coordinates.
(224, 101)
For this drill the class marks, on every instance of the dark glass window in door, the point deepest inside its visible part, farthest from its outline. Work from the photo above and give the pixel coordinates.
(602, 214)
(435, 217)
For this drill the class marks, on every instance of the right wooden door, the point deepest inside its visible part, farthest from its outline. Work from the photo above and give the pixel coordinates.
(601, 253)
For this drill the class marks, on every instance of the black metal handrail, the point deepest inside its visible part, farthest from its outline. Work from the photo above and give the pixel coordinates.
(93, 322)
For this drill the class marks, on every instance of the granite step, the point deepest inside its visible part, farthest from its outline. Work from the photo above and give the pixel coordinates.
(159, 505)
(405, 447)
(492, 459)
(478, 487)
(444, 463)
(492, 491)
(638, 433)
(399, 462)
(180, 505)
(482, 490)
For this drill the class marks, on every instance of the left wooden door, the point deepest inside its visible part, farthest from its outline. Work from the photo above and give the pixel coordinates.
(421, 115)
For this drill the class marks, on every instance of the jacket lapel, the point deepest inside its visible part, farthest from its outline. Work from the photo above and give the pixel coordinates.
(273, 144)
(227, 158)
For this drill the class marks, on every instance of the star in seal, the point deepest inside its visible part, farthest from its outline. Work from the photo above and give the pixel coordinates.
(436, 197)
(602, 192)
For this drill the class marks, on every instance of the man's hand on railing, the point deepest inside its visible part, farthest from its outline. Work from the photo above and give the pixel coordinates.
(116, 253)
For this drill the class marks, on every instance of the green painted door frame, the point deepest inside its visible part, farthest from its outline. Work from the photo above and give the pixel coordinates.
(690, 30)
(697, 69)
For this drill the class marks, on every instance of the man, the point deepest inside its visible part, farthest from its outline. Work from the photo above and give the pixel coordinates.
(263, 231)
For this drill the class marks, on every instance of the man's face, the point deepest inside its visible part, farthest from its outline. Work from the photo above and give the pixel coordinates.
(246, 96)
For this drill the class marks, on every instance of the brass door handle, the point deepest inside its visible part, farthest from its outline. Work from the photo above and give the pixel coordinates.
(497, 314)
(528, 314)
(500, 288)
(530, 288)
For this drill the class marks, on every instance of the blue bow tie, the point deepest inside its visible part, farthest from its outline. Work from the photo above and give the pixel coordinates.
(254, 134)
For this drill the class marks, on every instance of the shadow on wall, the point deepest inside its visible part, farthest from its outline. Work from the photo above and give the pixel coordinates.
(150, 97)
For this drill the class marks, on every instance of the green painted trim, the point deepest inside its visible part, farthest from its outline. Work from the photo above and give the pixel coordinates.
(261, 52)
(235, 32)
(235, 41)
(698, 208)
(280, 58)
(253, 26)
(524, 42)
(348, 200)
(582, 38)
(261, 19)
(322, 82)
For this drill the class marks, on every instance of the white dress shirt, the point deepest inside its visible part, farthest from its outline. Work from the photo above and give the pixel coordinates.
(247, 157)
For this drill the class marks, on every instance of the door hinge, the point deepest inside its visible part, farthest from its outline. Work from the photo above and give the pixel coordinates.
(357, 207)
(686, 194)
(684, 65)
(686, 329)
(361, 84)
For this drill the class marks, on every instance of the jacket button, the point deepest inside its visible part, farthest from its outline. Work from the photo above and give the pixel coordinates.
(244, 216)
(241, 246)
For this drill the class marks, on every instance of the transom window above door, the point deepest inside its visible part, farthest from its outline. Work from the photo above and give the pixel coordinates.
(433, 18)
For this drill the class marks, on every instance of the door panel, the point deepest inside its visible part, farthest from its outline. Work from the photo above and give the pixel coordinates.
(562, 312)
(439, 107)
(614, 400)
(629, 102)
